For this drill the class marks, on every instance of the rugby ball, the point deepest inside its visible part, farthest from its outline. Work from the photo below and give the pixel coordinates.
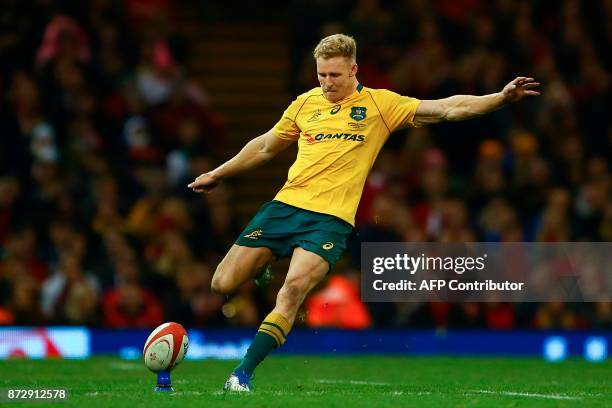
(165, 347)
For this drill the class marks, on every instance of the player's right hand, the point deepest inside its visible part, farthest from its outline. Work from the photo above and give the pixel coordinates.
(204, 183)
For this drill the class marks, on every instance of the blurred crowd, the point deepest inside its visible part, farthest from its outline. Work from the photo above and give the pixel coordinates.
(103, 126)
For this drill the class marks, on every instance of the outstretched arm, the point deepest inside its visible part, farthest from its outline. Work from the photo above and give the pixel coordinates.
(257, 151)
(462, 107)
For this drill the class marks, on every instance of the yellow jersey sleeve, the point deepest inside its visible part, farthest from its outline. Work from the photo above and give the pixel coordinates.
(286, 128)
(397, 111)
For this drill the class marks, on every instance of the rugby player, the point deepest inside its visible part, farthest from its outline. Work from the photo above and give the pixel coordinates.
(340, 129)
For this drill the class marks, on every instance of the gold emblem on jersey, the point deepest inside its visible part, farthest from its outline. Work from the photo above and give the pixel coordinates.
(327, 246)
(254, 235)
(315, 116)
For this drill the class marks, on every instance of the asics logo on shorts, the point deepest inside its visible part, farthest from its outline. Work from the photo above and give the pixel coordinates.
(327, 246)
(254, 235)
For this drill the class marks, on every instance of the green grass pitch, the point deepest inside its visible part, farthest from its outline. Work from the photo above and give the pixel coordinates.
(312, 381)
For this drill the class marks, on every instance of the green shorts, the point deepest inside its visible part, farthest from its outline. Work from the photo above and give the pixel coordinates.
(282, 227)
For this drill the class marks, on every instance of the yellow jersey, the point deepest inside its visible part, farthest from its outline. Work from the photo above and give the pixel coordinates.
(337, 145)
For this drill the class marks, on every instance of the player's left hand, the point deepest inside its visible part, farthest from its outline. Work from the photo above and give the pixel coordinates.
(520, 87)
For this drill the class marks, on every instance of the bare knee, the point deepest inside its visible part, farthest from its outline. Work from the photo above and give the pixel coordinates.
(221, 282)
(238, 266)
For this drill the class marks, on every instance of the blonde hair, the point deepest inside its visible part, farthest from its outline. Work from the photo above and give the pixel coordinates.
(337, 45)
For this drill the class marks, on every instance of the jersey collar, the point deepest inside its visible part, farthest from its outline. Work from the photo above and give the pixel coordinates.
(351, 96)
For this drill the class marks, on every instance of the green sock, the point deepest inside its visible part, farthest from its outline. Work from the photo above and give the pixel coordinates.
(271, 334)
(261, 346)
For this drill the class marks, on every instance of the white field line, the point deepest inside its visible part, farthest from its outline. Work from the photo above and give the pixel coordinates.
(186, 393)
(100, 394)
(353, 382)
(507, 393)
(527, 394)
(373, 383)
(418, 393)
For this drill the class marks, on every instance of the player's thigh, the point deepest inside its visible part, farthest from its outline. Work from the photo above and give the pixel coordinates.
(242, 263)
(306, 270)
